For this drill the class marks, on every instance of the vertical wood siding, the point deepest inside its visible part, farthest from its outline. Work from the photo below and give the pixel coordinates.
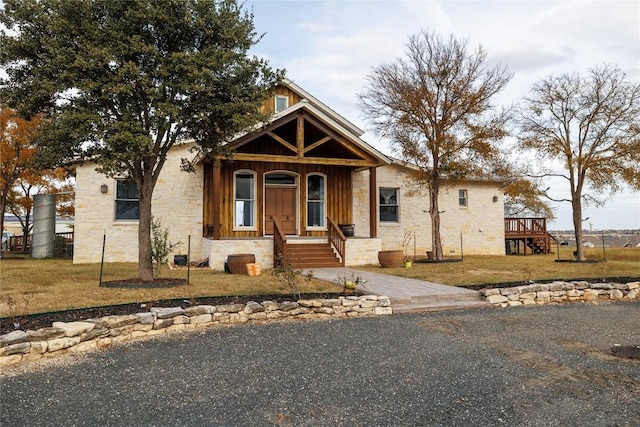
(338, 195)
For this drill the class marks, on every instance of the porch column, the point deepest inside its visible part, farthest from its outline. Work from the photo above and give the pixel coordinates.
(216, 195)
(373, 205)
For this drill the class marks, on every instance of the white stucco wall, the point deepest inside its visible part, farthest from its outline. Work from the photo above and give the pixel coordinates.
(177, 201)
(481, 222)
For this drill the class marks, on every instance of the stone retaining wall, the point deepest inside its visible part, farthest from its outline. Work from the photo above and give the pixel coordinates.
(64, 337)
(560, 292)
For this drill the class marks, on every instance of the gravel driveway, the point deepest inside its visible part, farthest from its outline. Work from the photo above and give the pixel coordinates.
(529, 366)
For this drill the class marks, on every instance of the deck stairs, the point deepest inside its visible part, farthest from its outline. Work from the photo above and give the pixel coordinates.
(306, 255)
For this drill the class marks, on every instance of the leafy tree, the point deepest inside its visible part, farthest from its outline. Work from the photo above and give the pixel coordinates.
(123, 81)
(434, 105)
(16, 152)
(591, 127)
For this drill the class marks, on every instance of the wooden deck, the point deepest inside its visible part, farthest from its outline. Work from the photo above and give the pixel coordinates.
(522, 234)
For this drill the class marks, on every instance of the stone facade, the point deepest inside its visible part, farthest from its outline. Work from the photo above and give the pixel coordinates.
(481, 222)
(177, 202)
(557, 292)
(91, 334)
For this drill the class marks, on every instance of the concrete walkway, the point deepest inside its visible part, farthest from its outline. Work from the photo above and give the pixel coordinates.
(407, 295)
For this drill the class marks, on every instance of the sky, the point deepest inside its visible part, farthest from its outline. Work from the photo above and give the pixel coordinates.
(329, 47)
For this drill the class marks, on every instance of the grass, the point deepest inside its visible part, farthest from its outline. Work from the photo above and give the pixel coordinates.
(476, 270)
(37, 286)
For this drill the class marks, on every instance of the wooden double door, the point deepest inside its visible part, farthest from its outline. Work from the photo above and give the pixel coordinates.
(280, 203)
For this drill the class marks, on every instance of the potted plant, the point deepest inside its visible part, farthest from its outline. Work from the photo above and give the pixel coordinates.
(350, 283)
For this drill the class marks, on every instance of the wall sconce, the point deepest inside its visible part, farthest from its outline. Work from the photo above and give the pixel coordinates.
(104, 189)
(495, 199)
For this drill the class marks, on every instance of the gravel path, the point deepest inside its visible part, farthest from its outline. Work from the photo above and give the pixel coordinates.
(525, 366)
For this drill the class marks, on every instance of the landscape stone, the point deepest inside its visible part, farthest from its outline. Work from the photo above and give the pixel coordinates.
(44, 334)
(72, 329)
(229, 308)
(167, 312)
(117, 321)
(62, 343)
(601, 286)
(200, 309)
(14, 337)
(18, 348)
(201, 318)
(162, 323)
(146, 318)
(310, 303)
(496, 299)
(288, 305)
(253, 307)
(270, 305)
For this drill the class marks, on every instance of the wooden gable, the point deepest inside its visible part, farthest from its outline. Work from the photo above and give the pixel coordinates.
(302, 137)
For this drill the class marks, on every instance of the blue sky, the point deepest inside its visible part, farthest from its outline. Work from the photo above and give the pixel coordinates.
(329, 47)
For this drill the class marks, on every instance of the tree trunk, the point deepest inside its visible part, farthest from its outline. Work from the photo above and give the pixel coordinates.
(577, 226)
(145, 263)
(436, 241)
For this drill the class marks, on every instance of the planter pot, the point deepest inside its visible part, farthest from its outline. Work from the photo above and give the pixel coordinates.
(391, 259)
(180, 260)
(430, 255)
(348, 284)
(347, 229)
(407, 264)
(238, 262)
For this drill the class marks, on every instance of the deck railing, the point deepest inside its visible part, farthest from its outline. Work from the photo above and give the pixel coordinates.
(337, 239)
(525, 226)
(62, 245)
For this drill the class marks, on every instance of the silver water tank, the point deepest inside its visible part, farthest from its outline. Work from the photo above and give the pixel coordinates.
(44, 225)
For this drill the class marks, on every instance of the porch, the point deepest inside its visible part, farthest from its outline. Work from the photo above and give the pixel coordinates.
(521, 234)
(298, 249)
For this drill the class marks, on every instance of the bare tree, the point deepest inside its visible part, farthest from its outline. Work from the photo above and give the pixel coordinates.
(591, 127)
(434, 105)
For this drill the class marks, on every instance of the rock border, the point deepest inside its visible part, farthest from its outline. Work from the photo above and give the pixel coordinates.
(103, 332)
(559, 292)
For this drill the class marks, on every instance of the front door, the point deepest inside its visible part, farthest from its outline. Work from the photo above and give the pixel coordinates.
(280, 204)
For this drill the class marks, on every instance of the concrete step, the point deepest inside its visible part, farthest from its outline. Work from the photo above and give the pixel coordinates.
(437, 298)
(423, 308)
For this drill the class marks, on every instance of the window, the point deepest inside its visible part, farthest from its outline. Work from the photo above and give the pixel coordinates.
(244, 215)
(315, 201)
(282, 103)
(127, 200)
(275, 178)
(389, 208)
(462, 198)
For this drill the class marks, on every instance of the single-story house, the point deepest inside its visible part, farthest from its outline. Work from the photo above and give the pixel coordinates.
(293, 181)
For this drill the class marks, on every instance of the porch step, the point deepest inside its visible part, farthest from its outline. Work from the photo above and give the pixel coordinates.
(311, 255)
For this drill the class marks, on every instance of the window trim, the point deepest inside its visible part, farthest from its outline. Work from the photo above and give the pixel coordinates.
(463, 195)
(116, 200)
(252, 227)
(397, 205)
(275, 103)
(322, 227)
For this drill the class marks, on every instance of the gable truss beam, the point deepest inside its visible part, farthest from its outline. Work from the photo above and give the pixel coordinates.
(317, 144)
(338, 138)
(305, 160)
(282, 141)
